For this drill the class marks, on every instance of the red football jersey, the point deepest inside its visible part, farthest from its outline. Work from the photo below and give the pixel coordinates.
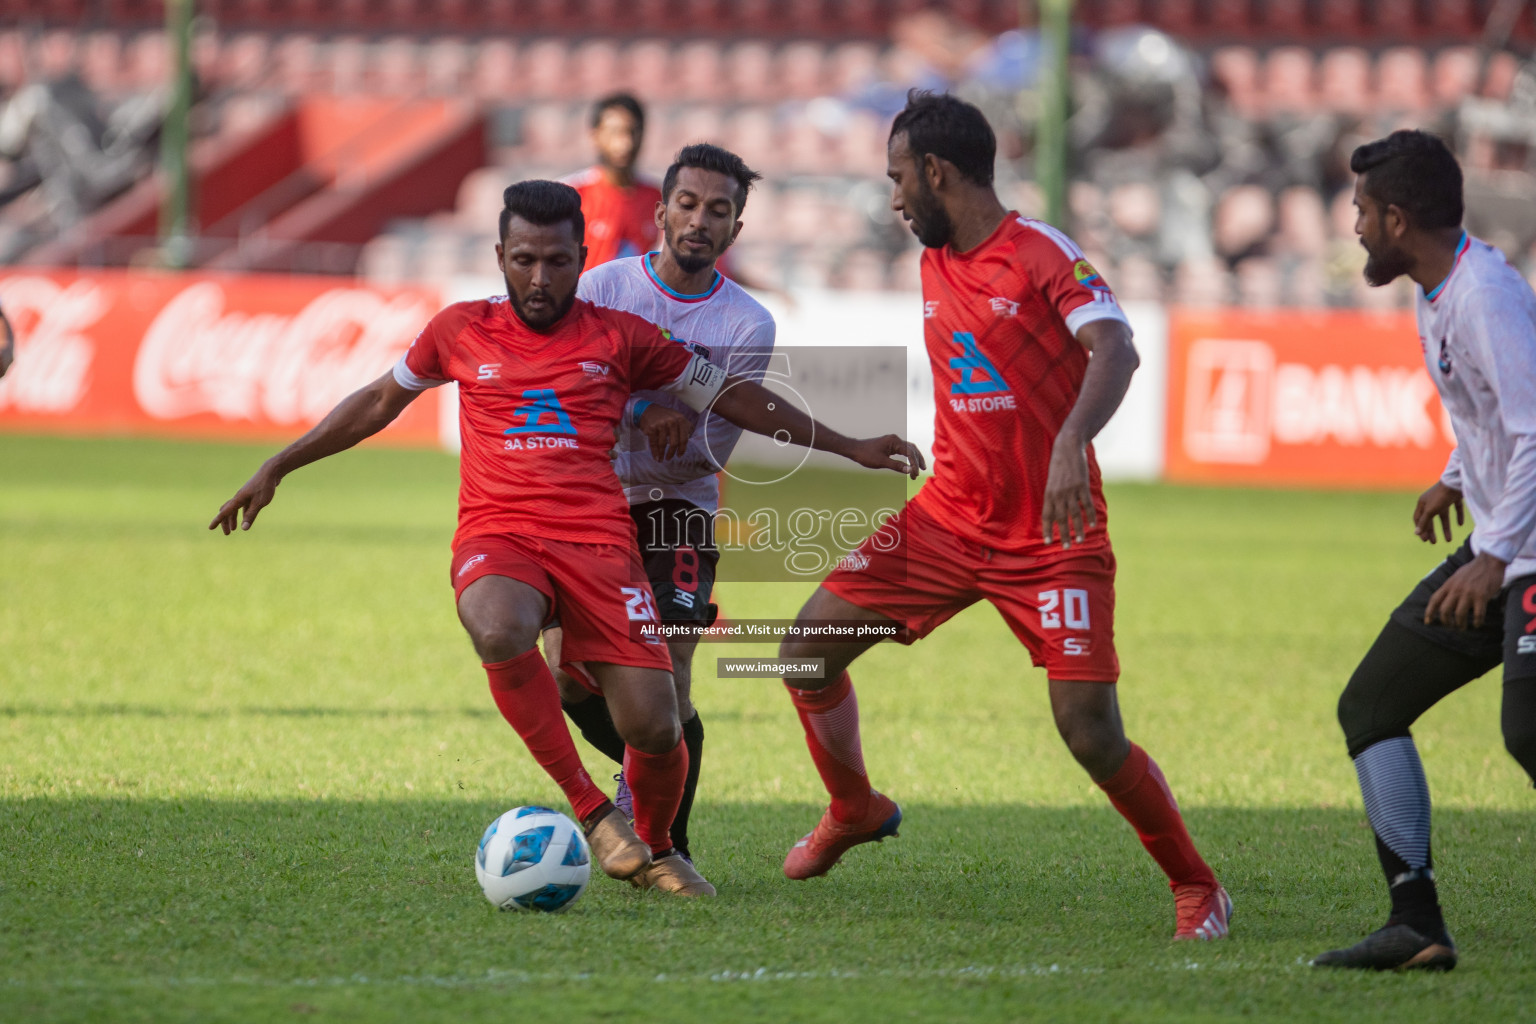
(1000, 324)
(620, 221)
(538, 413)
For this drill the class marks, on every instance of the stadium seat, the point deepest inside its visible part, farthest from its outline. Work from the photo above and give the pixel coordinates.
(1288, 85)
(495, 76)
(479, 200)
(244, 61)
(1307, 285)
(345, 67)
(1242, 220)
(749, 68)
(1502, 70)
(594, 66)
(1401, 80)
(147, 61)
(1136, 209)
(445, 66)
(751, 133)
(297, 62)
(397, 68)
(1452, 19)
(801, 70)
(1341, 19)
(1229, 17)
(1453, 76)
(1258, 283)
(1236, 70)
(1282, 19)
(1135, 279)
(1394, 20)
(546, 71)
(851, 65)
(648, 70)
(686, 125)
(1344, 80)
(13, 58)
(100, 61)
(1302, 223)
(861, 146)
(862, 270)
(1202, 284)
(386, 261)
(698, 71)
(553, 133)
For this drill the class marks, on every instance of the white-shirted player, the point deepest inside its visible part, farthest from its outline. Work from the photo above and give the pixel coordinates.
(673, 500)
(1477, 326)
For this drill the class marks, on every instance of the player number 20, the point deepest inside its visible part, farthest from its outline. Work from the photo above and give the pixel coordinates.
(1071, 604)
(639, 605)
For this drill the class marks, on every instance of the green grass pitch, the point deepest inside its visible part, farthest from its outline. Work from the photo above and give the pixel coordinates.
(242, 779)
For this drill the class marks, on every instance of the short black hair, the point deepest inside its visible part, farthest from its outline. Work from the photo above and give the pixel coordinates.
(543, 203)
(622, 101)
(951, 129)
(1416, 172)
(706, 157)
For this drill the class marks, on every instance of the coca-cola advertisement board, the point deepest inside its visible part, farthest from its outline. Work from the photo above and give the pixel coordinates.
(202, 356)
(1335, 398)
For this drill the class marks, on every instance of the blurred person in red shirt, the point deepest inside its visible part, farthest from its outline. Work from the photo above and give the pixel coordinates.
(620, 208)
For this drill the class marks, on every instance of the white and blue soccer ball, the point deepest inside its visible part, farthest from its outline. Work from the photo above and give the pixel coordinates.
(533, 858)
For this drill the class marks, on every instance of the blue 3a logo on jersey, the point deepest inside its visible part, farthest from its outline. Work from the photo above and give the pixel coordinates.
(542, 403)
(977, 374)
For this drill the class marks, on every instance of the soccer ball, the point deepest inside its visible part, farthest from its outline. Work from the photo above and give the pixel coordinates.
(533, 858)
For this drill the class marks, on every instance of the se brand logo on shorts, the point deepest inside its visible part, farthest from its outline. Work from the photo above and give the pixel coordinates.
(470, 563)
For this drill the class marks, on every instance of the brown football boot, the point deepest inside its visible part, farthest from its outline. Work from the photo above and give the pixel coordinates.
(673, 873)
(615, 847)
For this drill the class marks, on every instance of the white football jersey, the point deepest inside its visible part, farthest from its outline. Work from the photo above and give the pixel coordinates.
(1478, 332)
(725, 325)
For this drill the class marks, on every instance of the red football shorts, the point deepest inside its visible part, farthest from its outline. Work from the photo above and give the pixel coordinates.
(598, 591)
(1060, 604)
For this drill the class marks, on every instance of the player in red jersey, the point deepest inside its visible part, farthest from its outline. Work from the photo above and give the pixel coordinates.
(544, 527)
(619, 207)
(1031, 356)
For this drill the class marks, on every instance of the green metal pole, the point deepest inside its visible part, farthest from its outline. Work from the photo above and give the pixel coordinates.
(175, 206)
(1051, 151)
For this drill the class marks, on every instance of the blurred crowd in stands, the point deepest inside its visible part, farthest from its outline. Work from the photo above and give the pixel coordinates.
(1204, 172)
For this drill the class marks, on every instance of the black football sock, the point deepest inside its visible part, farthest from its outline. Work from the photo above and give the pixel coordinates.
(693, 739)
(1415, 902)
(596, 725)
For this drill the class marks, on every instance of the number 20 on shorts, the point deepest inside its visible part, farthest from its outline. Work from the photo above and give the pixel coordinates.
(1070, 604)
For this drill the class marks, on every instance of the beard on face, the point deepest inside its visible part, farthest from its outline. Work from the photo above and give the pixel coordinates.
(544, 320)
(1384, 265)
(691, 263)
(931, 223)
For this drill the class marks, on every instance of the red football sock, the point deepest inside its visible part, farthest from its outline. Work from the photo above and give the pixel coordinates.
(1140, 793)
(528, 698)
(656, 782)
(830, 718)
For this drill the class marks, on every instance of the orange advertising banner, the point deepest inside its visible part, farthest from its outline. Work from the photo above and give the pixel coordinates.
(200, 355)
(1327, 398)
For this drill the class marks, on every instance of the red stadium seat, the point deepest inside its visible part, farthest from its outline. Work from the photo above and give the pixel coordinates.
(1236, 69)
(1394, 20)
(850, 65)
(479, 200)
(1453, 76)
(555, 134)
(750, 132)
(297, 60)
(1502, 70)
(1401, 80)
(802, 70)
(1302, 223)
(100, 61)
(1344, 80)
(446, 66)
(1119, 12)
(699, 71)
(345, 66)
(246, 60)
(547, 71)
(148, 61)
(13, 58)
(53, 54)
(1242, 220)
(1288, 81)
(397, 67)
(806, 148)
(1230, 18)
(595, 67)
(694, 123)
(648, 70)
(1283, 19)
(749, 67)
(495, 76)
(1455, 19)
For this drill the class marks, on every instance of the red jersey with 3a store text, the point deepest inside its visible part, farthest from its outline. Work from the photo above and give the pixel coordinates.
(537, 413)
(1000, 323)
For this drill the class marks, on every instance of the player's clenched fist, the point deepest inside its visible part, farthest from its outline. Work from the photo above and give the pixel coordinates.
(252, 498)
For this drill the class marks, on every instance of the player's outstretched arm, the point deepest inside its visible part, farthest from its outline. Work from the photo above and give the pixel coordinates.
(1067, 507)
(361, 414)
(753, 407)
